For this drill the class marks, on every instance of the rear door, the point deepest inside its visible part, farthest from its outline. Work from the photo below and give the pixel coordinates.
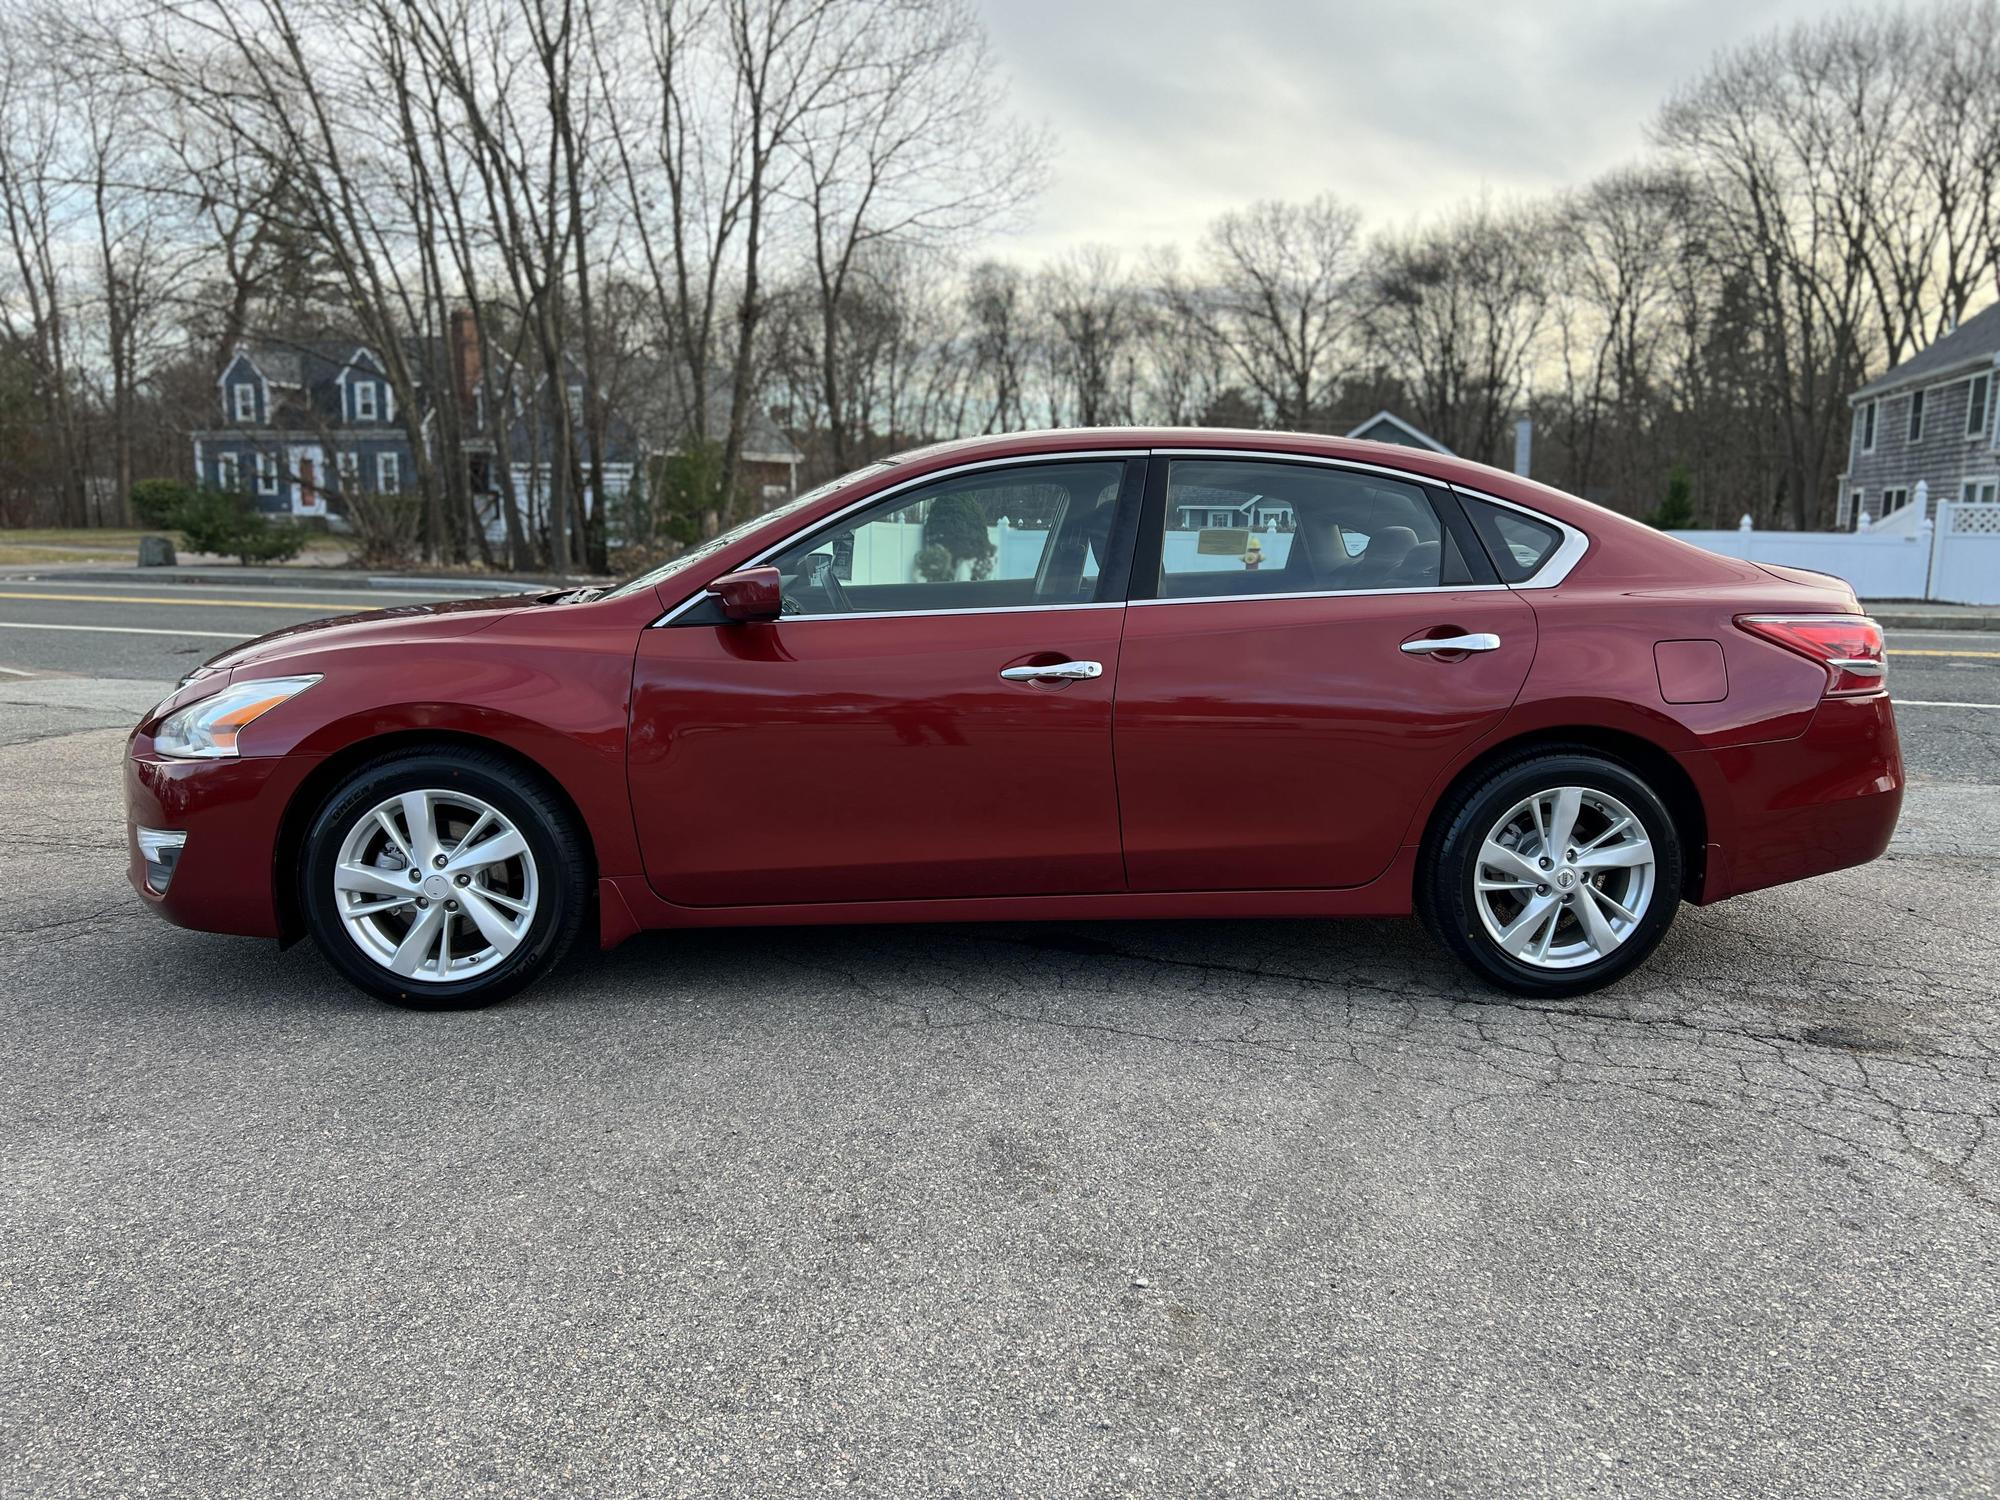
(931, 717)
(1294, 678)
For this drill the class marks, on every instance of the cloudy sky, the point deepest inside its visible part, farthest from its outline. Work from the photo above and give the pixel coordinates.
(1166, 112)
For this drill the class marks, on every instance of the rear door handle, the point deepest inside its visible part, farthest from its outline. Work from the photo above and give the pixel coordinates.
(1481, 642)
(1062, 671)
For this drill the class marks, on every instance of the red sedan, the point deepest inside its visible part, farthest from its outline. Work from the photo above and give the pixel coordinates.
(1158, 674)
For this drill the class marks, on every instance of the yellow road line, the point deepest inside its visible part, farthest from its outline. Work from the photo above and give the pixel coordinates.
(1908, 651)
(346, 606)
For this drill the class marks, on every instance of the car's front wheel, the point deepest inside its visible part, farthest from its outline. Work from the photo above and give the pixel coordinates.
(1553, 874)
(443, 879)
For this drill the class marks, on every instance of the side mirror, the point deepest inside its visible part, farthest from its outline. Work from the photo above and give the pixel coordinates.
(753, 594)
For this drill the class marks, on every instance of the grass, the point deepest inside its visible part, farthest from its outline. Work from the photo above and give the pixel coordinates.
(10, 555)
(92, 543)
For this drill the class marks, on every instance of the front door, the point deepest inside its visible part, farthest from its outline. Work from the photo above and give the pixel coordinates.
(307, 500)
(931, 717)
(1282, 706)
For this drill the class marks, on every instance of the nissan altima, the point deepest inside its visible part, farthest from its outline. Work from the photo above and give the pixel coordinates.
(1114, 673)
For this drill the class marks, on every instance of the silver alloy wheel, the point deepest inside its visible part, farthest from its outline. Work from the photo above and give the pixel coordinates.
(1564, 877)
(435, 886)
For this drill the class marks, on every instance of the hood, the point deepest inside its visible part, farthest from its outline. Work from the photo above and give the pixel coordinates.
(443, 621)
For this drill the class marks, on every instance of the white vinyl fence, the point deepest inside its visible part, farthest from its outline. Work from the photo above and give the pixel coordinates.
(1955, 560)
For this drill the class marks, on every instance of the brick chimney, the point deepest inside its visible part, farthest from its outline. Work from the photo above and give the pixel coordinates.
(465, 361)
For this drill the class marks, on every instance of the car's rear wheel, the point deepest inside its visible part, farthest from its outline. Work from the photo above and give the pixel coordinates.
(443, 879)
(1553, 874)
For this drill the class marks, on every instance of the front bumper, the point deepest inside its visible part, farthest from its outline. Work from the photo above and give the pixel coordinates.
(1789, 809)
(231, 811)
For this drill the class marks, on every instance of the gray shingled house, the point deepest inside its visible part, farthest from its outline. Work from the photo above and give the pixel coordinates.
(1934, 418)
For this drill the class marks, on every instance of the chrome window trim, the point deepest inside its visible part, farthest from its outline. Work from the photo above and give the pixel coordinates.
(1569, 552)
(1018, 460)
(922, 614)
(1439, 588)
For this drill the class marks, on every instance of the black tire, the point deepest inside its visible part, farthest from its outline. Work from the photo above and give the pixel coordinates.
(1446, 899)
(549, 828)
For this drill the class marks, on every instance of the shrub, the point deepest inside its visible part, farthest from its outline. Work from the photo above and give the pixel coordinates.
(1676, 512)
(386, 528)
(935, 564)
(958, 525)
(211, 521)
(157, 503)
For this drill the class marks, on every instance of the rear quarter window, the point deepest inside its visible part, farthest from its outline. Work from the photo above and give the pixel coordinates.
(1518, 544)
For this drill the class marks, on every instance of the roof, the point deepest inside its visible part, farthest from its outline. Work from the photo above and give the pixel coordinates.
(1974, 342)
(299, 362)
(1414, 436)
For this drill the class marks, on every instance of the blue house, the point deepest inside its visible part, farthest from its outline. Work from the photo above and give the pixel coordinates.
(304, 424)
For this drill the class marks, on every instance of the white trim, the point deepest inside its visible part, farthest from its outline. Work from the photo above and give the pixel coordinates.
(1913, 419)
(347, 467)
(1870, 414)
(266, 466)
(1558, 564)
(385, 462)
(230, 483)
(354, 390)
(1385, 415)
(292, 457)
(1978, 429)
(238, 389)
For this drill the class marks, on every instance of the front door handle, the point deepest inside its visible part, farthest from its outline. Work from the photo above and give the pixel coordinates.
(1062, 671)
(1481, 642)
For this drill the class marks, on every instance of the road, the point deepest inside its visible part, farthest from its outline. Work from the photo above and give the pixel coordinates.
(1228, 1209)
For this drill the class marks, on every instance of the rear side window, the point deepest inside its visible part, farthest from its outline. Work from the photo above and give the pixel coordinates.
(1245, 526)
(1517, 543)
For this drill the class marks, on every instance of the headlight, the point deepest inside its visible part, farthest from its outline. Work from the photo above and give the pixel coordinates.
(207, 730)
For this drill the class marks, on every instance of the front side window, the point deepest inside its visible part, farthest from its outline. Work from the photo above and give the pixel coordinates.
(228, 473)
(1894, 499)
(1868, 428)
(1916, 416)
(246, 401)
(1979, 491)
(388, 473)
(350, 472)
(267, 473)
(1286, 528)
(364, 401)
(1000, 539)
(1978, 403)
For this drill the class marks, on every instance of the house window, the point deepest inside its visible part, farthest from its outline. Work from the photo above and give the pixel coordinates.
(1978, 400)
(228, 473)
(267, 473)
(388, 473)
(1894, 500)
(246, 401)
(1855, 511)
(1916, 416)
(576, 405)
(1979, 491)
(1868, 428)
(350, 472)
(364, 400)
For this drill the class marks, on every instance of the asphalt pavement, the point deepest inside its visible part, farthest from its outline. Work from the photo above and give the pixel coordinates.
(1221, 1209)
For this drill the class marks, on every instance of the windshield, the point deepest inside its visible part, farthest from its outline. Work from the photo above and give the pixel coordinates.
(734, 534)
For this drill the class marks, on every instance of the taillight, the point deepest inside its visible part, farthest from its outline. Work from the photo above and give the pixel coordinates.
(1848, 646)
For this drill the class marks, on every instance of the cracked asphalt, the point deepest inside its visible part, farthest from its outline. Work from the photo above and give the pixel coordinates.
(1230, 1209)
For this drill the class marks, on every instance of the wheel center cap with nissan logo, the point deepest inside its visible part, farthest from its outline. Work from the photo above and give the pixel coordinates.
(1564, 880)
